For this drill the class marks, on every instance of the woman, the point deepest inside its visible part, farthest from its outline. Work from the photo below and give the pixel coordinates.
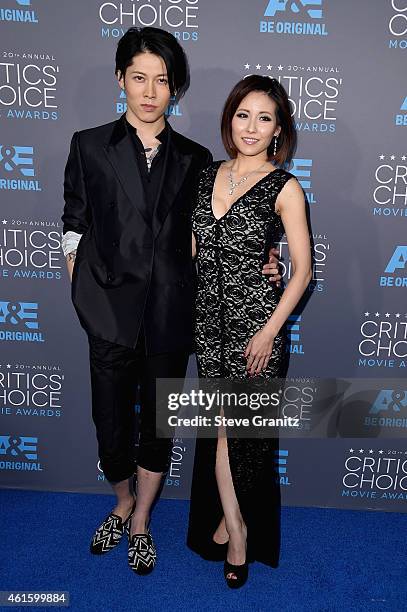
(242, 207)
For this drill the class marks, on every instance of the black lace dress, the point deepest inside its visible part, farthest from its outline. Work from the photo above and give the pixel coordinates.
(234, 301)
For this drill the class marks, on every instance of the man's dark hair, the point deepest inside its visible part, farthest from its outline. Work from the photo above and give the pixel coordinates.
(161, 43)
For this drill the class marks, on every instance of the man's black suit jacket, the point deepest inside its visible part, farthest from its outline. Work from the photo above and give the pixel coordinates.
(129, 269)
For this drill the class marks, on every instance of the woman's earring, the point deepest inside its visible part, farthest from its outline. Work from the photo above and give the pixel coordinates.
(275, 145)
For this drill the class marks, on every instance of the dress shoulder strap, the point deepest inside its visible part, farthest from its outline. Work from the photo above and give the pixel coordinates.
(279, 178)
(283, 175)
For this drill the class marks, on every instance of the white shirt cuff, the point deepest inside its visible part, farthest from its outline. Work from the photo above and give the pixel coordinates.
(70, 242)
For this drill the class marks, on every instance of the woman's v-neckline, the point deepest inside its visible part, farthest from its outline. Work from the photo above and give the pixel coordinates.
(239, 198)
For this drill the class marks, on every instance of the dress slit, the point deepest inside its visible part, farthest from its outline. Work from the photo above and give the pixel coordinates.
(234, 300)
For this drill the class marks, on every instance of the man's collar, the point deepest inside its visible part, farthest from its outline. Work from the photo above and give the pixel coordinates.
(162, 136)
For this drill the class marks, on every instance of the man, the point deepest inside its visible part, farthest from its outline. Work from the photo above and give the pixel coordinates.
(129, 189)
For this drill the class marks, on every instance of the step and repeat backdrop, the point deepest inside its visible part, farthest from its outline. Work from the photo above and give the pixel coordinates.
(343, 64)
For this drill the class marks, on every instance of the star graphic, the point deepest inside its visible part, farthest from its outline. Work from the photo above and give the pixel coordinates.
(370, 451)
(381, 452)
(387, 314)
(280, 67)
(247, 66)
(367, 314)
(397, 315)
(351, 450)
(258, 66)
(377, 314)
(403, 158)
(269, 66)
(392, 157)
(4, 222)
(9, 365)
(381, 156)
(361, 450)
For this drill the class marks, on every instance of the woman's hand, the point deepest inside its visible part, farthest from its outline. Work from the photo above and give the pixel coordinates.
(258, 351)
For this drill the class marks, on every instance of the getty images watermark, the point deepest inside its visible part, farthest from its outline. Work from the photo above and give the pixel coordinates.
(302, 407)
(245, 408)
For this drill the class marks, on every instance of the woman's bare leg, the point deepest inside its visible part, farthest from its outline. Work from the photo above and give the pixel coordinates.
(234, 522)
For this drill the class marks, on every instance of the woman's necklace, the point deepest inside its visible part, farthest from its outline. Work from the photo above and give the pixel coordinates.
(233, 185)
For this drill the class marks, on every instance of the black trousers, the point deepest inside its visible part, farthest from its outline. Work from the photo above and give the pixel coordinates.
(116, 373)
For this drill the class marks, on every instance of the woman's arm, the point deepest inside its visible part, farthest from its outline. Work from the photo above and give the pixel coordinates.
(290, 205)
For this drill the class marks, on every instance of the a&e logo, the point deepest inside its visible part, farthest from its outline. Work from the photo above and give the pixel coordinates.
(309, 13)
(14, 446)
(401, 118)
(388, 409)
(280, 466)
(23, 315)
(395, 266)
(388, 400)
(302, 168)
(173, 109)
(19, 15)
(17, 168)
(19, 453)
(293, 332)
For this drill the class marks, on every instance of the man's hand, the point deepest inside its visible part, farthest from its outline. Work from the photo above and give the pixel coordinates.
(271, 268)
(70, 262)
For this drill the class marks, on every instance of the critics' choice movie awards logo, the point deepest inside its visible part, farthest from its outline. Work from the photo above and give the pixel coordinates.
(390, 186)
(173, 110)
(313, 91)
(174, 474)
(373, 474)
(19, 453)
(395, 273)
(31, 390)
(17, 170)
(383, 340)
(30, 249)
(398, 24)
(297, 401)
(19, 322)
(20, 11)
(28, 86)
(293, 17)
(388, 410)
(180, 17)
(320, 252)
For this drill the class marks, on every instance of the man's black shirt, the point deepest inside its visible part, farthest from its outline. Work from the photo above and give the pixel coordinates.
(151, 179)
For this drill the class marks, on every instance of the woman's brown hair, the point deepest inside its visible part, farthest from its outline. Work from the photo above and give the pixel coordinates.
(287, 138)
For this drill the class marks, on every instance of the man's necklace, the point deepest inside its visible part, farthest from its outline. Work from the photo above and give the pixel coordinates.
(233, 185)
(150, 153)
